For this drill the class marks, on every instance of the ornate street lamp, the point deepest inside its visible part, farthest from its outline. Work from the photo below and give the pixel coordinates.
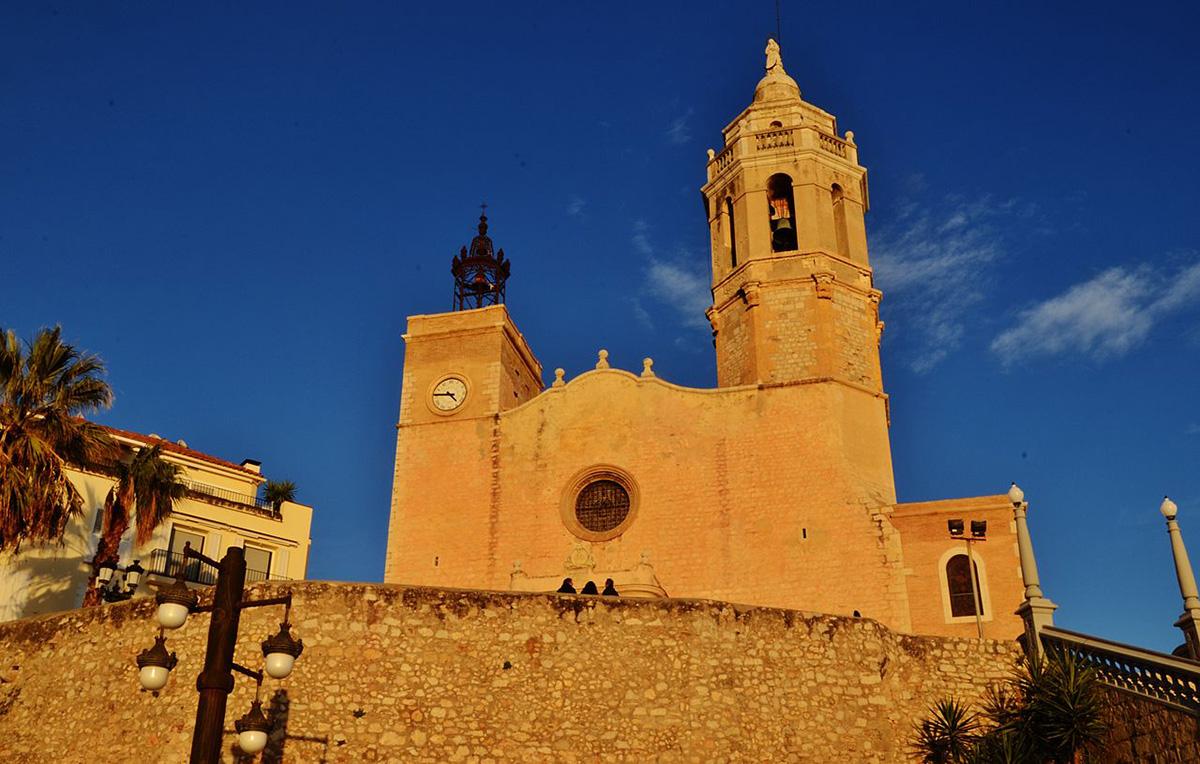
(116, 592)
(175, 603)
(252, 729)
(281, 651)
(155, 664)
(1035, 610)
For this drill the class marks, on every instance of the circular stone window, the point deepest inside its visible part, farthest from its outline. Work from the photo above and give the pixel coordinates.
(602, 505)
(599, 503)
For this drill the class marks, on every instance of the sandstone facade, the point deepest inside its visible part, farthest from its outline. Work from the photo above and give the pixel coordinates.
(774, 488)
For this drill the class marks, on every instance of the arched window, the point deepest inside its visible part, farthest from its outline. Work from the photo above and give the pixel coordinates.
(731, 233)
(958, 580)
(839, 221)
(783, 213)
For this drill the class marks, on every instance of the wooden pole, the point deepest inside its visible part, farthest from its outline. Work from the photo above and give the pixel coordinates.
(216, 679)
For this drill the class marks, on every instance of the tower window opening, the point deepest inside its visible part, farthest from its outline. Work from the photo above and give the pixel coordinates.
(730, 232)
(839, 221)
(958, 580)
(776, 123)
(783, 213)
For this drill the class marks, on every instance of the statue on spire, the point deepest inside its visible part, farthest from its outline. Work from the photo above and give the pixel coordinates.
(774, 59)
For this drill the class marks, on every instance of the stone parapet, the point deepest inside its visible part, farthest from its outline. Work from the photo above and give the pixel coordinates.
(394, 673)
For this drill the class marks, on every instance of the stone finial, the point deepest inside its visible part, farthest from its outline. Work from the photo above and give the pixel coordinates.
(602, 362)
(558, 378)
(850, 137)
(647, 367)
(711, 155)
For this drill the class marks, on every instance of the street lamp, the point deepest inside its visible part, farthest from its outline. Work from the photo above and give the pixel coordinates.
(116, 592)
(1189, 622)
(215, 682)
(978, 533)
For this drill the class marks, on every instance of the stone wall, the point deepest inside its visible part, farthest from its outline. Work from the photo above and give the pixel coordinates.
(393, 673)
(1143, 731)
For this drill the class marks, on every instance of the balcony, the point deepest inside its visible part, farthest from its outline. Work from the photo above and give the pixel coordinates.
(226, 496)
(164, 562)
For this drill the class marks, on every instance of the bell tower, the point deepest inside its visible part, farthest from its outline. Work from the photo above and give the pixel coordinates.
(793, 294)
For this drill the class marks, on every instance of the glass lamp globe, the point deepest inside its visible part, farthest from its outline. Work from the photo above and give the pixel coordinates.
(1015, 494)
(279, 665)
(172, 615)
(153, 677)
(1168, 508)
(252, 741)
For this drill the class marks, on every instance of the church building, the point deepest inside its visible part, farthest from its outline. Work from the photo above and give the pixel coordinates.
(774, 488)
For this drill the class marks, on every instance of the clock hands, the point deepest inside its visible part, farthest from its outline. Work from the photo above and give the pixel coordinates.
(453, 397)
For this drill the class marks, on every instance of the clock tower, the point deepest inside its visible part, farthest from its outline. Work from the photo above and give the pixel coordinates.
(461, 369)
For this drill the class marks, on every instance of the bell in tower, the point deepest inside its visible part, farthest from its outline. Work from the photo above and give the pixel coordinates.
(480, 272)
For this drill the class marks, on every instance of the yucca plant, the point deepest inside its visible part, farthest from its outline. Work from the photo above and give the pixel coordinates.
(277, 492)
(948, 734)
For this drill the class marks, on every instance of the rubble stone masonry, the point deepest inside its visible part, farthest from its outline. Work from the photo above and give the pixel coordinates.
(392, 673)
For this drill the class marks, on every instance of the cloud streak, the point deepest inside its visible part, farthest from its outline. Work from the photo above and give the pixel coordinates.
(1103, 317)
(679, 281)
(680, 130)
(932, 265)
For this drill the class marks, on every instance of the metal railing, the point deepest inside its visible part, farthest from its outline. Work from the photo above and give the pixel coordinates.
(167, 563)
(224, 494)
(1165, 678)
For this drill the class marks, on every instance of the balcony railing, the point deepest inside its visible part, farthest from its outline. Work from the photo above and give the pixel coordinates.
(1165, 678)
(226, 495)
(167, 563)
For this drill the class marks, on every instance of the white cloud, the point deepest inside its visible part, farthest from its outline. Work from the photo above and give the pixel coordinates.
(679, 281)
(932, 266)
(680, 130)
(575, 206)
(1107, 315)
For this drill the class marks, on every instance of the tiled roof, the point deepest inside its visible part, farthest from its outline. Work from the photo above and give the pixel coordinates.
(175, 448)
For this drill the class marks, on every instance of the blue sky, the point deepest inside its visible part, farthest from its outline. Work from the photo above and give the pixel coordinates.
(237, 208)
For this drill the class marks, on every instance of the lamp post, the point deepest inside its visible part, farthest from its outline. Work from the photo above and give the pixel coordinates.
(215, 682)
(978, 533)
(118, 591)
(1189, 622)
(1036, 610)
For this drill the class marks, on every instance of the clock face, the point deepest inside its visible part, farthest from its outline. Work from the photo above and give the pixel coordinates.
(449, 394)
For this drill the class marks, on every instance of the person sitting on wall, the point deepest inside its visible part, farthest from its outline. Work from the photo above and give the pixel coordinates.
(567, 587)
(610, 589)
(590, 588)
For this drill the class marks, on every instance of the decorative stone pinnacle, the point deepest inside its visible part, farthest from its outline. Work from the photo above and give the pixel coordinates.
(647, 367)
(602, 363)
(558, 378)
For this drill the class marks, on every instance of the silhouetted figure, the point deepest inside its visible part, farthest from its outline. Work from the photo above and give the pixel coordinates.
(590, 588)
(567, 587)
(610, 589)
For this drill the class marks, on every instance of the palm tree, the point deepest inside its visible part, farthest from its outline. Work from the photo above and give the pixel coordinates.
(148, 486)
(277, 492)
(46, 386)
